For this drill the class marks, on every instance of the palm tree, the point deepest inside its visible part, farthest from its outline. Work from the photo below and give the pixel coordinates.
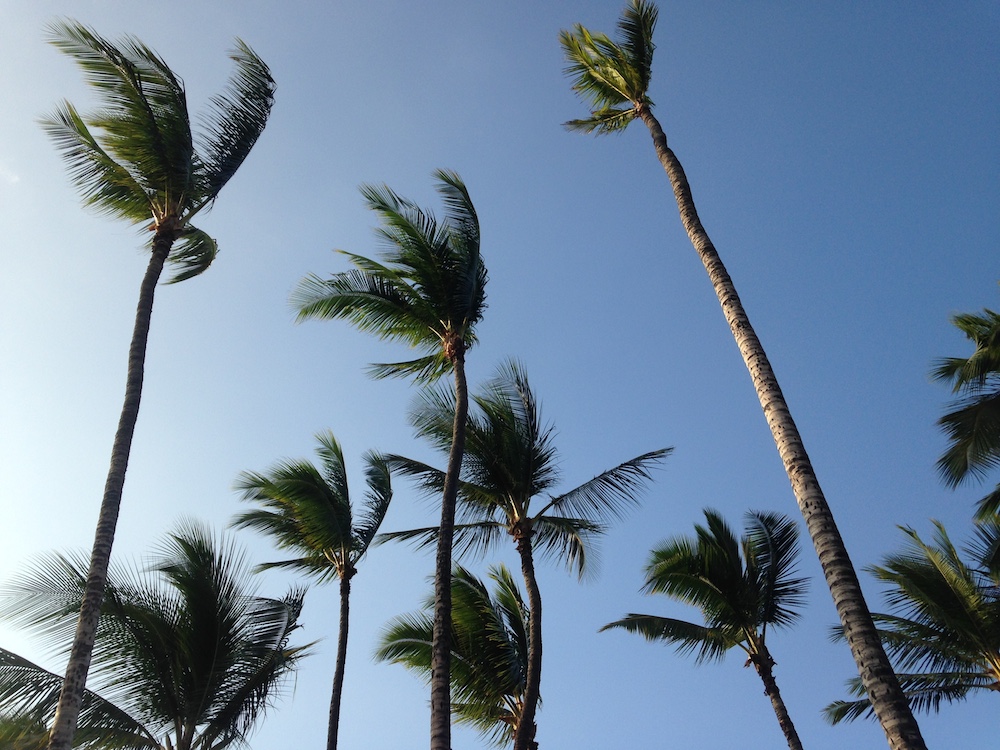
(187, 656)
(944, 634)
(510, 459)
(429, 292)
(613, 77)
(973, 422)
(136, 159)
(307, 510)
(489, 637)
(741, 587)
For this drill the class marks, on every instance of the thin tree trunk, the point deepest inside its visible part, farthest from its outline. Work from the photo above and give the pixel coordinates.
(524, 737)
(71, 695)
(338, 673)
(877, 676)
(764, 665)
(441, 642)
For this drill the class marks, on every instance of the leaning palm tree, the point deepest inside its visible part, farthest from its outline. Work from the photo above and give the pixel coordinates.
(187, 656)
(137, 159)
(429, 291)
(510, 460)
(307, 510)
(944, 635)
(973, 420)
(741, 587)
(613, 77)
(489, 644)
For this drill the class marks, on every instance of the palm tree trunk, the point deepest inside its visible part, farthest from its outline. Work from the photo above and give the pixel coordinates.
(888, 700)
(71, 695)
(441, 640)
(764, 665)
(524, 737)
(338, 672)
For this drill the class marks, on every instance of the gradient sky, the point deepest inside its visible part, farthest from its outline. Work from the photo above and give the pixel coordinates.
(844, 161)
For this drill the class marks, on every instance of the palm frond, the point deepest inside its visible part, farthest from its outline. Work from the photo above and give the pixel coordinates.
(611, 493)
(771, 550)
(376, 501)
(235, 121)
(192, 255)
(708, 644)
(569, 540)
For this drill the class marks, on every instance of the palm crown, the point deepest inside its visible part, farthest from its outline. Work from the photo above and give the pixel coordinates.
(510, 460)
(430, 289)
(307, 510)
(613, 77)
(137, 158)
(489, 651)
(741, 586)
(973, 422)
(186, 648)
(945, 633)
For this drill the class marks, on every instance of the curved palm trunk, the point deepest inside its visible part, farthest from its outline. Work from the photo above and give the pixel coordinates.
(338, 673)
(441, 640)
(71, 695)
(887, 698)
(764, 665)
(524, 737)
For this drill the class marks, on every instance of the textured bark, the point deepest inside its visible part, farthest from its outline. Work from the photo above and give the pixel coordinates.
(338, 672)
(764, 665)
(441, 640)
(71, 695)
(524, 736)
(877, 676)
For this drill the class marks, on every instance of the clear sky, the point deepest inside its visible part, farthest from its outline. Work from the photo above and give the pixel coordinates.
(844, 160)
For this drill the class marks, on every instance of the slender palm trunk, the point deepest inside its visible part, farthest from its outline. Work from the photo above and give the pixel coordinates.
(887, 698)
(441, 641)
(71, 695)
(764, 665)
(524, 737)
(338, 672)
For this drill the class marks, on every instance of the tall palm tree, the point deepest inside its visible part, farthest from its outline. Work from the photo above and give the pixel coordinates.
(944, 634)
(741, 587)
(187, 656)
(489, 643)
(307, 510)
(509, 461)
(429, 291)
(973, 421)
(613, 77)
(137, 159)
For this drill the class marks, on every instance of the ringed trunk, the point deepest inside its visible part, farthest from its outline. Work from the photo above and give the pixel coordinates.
(338, 672)
(764, 665)
(524, 736)
(71, 695)
(883, 689)
(441, 640)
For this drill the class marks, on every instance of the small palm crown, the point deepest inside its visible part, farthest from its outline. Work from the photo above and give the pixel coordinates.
(612, 77)
(429, 291)
(137, 158)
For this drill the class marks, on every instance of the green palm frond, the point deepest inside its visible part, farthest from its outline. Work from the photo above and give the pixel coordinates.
(106, 185)
(612, 76)
(612, 493)
(567, 540)
(972, 423)
(376, 502)
(771, 547)
(192, 255)
(235, 121)
(708, 644)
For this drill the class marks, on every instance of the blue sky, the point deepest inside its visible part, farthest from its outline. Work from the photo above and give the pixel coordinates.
(843, 160)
